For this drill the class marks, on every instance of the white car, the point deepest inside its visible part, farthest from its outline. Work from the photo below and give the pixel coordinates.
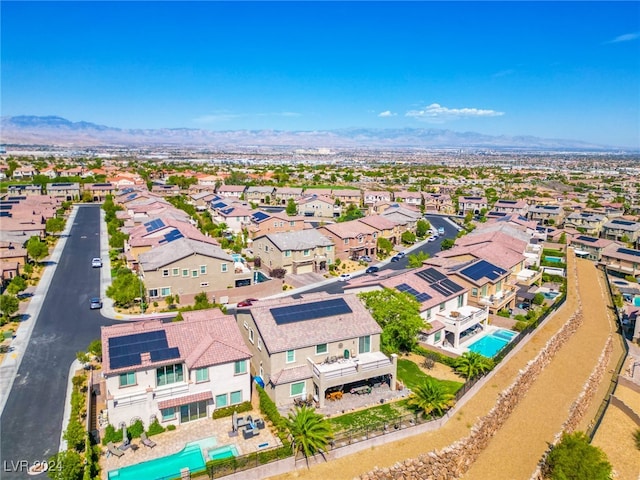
(96, 263)
(344, 277)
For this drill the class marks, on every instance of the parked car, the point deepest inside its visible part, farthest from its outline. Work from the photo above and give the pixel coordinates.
(247, 302)
(401, 254)
(344, 277)
(372, 269)
(96, 303)
(395, 258)
(432, 238)
(365, 258)
(96, 262)
(440, 231)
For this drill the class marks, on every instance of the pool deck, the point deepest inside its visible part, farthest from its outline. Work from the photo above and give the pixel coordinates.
(168, 443)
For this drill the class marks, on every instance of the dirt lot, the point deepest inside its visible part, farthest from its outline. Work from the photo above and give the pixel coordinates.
(516, 449)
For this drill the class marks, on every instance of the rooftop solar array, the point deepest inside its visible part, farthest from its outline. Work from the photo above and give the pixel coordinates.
(61, 184)
(510, 202)
(431, 275)
(4, 213)
(310, 311)
(259, 216)
(219, 205)
(131, 196)
(419, 296)
(628, 251)
(481, 269)
(106, 185)
(19, 197)
(550, 207)
(439, 282)
(174, 234)
(623, 222)
(227, 211)
(126, 190)
(154, 225)
(498, 214)
(6, 206)
(472, 198)
(584, 238)
(125, 351)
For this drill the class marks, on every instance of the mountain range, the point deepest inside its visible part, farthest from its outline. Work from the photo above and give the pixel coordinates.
(53, 130)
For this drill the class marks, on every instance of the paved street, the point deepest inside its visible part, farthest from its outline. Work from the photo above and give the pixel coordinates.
(31, 421)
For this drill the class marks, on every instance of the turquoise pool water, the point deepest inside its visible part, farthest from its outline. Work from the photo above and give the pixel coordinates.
(554, 259)
(167, 467)
(227, 451)
(636, 301)
(490, 345)
(550, 295)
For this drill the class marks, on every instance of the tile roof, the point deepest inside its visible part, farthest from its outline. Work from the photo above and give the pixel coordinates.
(204, 338)
(349, 229)
(195, 397)
(295, 335)
(293, 374)
(168, 253)
(298, 240)
(378, 222)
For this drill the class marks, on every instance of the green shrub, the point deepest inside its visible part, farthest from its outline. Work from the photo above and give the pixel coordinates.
(228, 411)
(504, 313)
(111, 435)
(136, 429)
(270, 411)
(436, 356)
(520, 326)
(171, 428)
(155, 428)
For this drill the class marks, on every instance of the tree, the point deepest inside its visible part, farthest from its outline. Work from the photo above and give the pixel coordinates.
(54, 225)
(416, 260)
(69, 466)
(310, 432)
(408, 238)
(17, 285)
(538, 299)
(125, 288)
(83, 357)
(422, 227)
(37, 249)
(201, 301)
(472, 364)
(398, 314)
(9, 305)
(384, 246)
(431, 397)
(292, 208)
(574, 458)
(447, 243)
(95, 348)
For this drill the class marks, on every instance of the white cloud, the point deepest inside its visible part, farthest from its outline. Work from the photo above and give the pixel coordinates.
(627, 37)
(436, 113)
(387, 113)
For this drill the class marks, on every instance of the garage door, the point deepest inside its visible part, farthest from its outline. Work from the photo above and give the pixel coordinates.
(304, 269)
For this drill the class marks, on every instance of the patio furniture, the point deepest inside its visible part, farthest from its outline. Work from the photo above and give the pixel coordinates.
(146, 442)
(248, 433)
(365, 389)
(333, 396)
(260, 424)
(113, 450)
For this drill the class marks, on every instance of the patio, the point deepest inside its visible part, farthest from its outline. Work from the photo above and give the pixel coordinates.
(171, 442)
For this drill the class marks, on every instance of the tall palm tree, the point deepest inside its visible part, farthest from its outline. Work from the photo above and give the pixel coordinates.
(472, 364)
(431, 397)
(310, 432)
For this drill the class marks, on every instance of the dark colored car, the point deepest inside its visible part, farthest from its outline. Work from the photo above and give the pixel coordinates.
(247, 302)
(395, 258)
(96, 303)
(372, 269)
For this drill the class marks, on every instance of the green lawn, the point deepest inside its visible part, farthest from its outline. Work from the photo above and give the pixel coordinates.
(410, 374)
(371, 416)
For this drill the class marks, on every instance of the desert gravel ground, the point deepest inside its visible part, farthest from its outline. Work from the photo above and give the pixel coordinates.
(516, 449)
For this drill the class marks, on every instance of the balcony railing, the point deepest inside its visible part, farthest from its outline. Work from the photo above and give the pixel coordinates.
(172, 390)
(346, 367)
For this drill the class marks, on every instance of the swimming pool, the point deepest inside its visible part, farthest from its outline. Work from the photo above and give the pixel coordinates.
(550, 295)
(554, 259)
(636, 301)
(167, 467)
(227, 451)
(490, 345)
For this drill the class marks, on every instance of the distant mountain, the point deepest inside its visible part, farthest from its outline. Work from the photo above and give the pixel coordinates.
(52, 130)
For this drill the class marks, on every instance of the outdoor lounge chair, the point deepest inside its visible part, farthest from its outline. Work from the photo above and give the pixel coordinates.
(113, 450)
(146, 442)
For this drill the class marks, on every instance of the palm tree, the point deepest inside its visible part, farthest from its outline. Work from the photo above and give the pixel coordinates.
(310, 431)
(431, 397)
(472, 364)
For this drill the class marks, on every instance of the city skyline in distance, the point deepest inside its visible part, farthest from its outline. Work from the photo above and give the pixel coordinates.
(542, 69)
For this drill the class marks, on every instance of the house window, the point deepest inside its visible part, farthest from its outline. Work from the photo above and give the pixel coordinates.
(240, 367)
(364, 344)
(261, 371)
(437, 336)
(224, 267)
(185, 272)
(329, 248)
(428, 313)
(499, 286)
(291, 356)
(127, 379)
(203, 269)
(153, 292)
(175, 272)
(165, 273)
(346, 241)
(236, 397)
(442, 306)
(322, 349)
(168, 413)
(474, 292)
(460, 301)
(305, 252)
(194, 273)
(297, 389)
(287, 253)
(251, 335)
(484, 291)
(169, 374)
(193, 411)
(259, 343)
(202, 375)
(292, 224)
(221, 400)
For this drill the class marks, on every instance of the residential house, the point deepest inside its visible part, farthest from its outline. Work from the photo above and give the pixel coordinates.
(231, 191)
(174, 372)
(622, 230)
(50, 172)
(100, 191)
(235, 215)
(371, 197)
(318, 206)
(488, 284)
(188, 267)
(405, 216)
(587, 223)
(165, 190)
(303, 348)
(589, 247)
(202, 200)
(23, 190)
(438, 202)
(347, 196)
(546, 214)
(263, 223)
(352, 239)
(621, 260)
(302, 251)
(518, 207)
(473, 205)
(22, 173)
(318, 192)
(262, 195)
(385, 227)
(410, 198)
(66, 191)
(284, 194)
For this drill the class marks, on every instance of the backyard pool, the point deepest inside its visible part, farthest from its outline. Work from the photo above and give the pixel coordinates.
(490, 345)
(554, 259)
(550, 295)
(167, 467)
(636, 301)
(227, 451)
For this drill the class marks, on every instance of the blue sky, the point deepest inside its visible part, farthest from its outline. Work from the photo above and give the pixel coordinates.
(549, 69)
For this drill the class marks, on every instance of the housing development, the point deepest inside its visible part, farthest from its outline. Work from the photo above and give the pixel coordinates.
(262, 315)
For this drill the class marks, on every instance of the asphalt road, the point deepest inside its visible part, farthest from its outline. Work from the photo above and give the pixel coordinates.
(32, 418)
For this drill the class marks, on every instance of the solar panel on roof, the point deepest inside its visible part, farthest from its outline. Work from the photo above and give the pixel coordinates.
(440, 289)
(628, 251)
(219, 205)
(174, 234)
(452, 286)
(4, 206)
(310, 311)
(125, 361)
(137, 338)
(5, 213)
(431, 275)
(482, 269)
(132, 196)
(259, 216)
(582, 238)
(125, 351)
(623, 222)
(510, 202)
(419, 296)
(165, 354)
(423, 297)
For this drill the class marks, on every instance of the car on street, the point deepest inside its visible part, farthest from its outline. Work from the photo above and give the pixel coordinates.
(395, 258)
(247, 302)
(96, 262)
(401, 254)
(344, 277)
(372, 269)
(432, 238)
(440, 231)
(365, 258)
(96, 303)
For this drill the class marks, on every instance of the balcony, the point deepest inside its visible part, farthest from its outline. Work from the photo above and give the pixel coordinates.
(463, 318)
(175, 389)
(347, 370)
